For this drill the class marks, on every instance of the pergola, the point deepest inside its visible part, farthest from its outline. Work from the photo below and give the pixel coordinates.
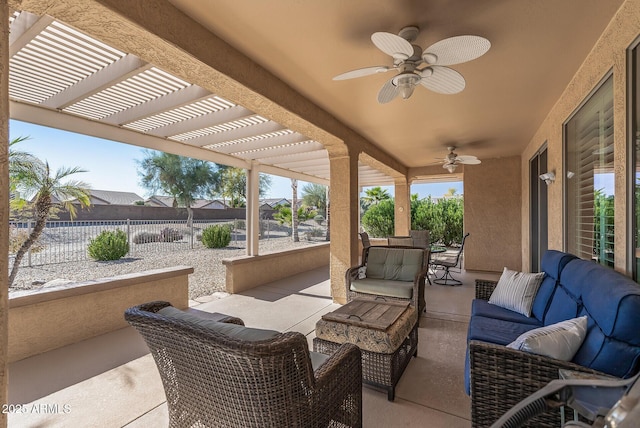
(62, 78)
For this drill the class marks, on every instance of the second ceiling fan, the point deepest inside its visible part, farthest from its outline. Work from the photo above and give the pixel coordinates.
(426, 67)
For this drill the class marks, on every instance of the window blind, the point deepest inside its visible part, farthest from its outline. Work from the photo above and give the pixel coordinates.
(589, 182)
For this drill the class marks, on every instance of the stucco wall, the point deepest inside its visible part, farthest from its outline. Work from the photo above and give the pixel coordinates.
(140, 212)
(246, 272)
(608, 55)
(492, 204)
(52, 318)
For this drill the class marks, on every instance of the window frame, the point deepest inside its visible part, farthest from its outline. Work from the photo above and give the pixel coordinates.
(633, 109)
(565, 192)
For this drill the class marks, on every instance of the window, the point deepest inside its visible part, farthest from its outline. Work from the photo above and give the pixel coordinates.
(590, 178)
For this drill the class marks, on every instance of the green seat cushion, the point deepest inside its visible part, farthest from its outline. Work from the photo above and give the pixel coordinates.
(383, 287)
(397, 264)
(235, 331)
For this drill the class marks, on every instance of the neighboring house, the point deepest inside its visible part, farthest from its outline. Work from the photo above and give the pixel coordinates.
(160, 201)
(109, 197)
(169, 201)
(214, 204)
(274, 202)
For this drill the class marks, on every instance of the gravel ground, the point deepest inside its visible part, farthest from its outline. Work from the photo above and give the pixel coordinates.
(208, 276)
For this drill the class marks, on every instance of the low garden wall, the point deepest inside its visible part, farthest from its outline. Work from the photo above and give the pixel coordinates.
(246, 272)
(54, 317)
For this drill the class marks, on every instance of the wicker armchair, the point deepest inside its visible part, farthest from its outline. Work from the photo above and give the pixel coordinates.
(501, 377)
(417, 296)
(213, 380)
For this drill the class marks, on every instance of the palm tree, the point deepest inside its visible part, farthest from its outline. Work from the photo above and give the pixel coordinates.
(315, 195)
(19, 162)
(48, 191)
(374, 196)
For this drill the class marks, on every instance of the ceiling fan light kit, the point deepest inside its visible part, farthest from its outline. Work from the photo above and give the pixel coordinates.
(407, 58)
(450, 167)
(452, 160)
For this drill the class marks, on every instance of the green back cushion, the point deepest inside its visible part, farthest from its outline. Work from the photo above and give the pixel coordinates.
(397, 264)
(239, 332)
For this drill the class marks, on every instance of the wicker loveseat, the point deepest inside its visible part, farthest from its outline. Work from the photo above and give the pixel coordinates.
(219, 373)
(391, 273)
(499, 377)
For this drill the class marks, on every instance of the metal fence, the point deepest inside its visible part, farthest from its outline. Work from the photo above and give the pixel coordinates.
(65, 241)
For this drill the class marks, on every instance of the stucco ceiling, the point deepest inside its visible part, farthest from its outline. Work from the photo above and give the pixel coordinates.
(537, 46)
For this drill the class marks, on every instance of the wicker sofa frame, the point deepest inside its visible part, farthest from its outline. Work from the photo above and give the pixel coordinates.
(417, 300)
(501, 377)
(214, 380)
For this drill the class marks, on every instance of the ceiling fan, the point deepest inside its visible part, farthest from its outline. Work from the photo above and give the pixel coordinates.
(452, 160)
(408, 59)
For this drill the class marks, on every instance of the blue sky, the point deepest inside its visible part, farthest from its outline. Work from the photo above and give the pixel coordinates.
(112, 166)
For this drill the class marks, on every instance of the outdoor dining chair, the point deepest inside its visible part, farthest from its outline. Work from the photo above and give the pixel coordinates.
(447, 263)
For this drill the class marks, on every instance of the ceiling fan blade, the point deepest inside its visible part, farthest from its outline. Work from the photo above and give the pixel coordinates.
(468, 160)
(393, 45)
(388, 92)
(361, 72)
(442, 80)
(456, 50)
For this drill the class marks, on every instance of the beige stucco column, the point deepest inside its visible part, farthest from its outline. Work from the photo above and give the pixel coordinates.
(402, 207)
(253, 211)
(4, 201)
(344, 219)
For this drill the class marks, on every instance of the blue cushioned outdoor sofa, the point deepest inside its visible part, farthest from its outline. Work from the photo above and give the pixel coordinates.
(498, 377)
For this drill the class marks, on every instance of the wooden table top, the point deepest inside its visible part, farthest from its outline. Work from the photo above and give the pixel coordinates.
(374, 314)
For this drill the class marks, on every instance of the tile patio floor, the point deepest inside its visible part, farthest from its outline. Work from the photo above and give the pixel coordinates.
(112, 381)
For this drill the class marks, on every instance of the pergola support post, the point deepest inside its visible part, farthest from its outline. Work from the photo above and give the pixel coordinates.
(344, 220)
(402, 207)
(253, 210)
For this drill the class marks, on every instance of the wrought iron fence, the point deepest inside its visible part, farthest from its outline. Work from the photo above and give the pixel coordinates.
(66, 241)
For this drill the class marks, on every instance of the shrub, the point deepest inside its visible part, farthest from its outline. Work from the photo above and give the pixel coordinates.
(144, 237)
(315, 232)
(109, 245)
(217, 236)
(169, 234)
(318, 219)
(378, 221)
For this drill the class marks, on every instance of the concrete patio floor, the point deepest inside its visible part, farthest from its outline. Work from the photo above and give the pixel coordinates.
(112, 381)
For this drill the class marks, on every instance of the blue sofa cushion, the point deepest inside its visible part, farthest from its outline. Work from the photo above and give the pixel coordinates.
(606, 354)
(483, 308)
(496, 331)
(615, 305)
(563, 306)
(553, 262)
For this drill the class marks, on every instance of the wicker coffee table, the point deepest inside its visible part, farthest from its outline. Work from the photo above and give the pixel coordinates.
(385, 332)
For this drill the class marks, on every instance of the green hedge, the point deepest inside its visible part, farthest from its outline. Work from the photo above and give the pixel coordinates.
(109, 245)
(217, 236)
